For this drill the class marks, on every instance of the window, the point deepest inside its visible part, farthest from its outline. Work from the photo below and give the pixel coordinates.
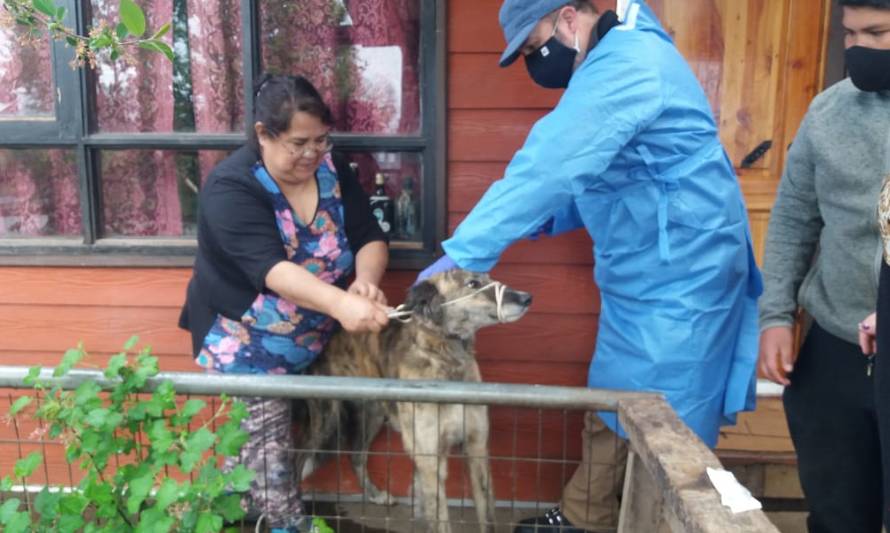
(104, 166)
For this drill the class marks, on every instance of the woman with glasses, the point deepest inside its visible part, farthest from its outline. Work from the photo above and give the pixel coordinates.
(281, 229)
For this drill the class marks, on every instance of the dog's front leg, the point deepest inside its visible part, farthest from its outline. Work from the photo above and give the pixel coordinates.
(422, 441)
(476, 448)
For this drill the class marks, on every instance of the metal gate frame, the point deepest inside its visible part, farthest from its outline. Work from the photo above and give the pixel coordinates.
(666, 480)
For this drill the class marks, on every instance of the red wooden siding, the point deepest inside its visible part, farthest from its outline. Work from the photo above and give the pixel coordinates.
(43, 311)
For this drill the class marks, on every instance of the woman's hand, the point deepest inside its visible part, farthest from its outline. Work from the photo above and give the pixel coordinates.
(368, 290)
(359, 313)
(867, 332)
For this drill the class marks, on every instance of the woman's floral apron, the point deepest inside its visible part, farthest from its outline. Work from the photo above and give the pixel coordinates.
(274, 336)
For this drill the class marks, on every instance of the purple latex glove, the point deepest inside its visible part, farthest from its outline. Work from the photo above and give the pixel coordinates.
(442, 264)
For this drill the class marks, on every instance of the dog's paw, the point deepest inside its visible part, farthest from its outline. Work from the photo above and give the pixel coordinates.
(382, 497)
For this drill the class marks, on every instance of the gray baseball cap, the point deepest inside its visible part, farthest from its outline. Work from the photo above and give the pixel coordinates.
(518, 18)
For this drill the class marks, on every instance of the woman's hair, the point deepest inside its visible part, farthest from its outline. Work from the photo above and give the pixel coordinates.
(278, 98)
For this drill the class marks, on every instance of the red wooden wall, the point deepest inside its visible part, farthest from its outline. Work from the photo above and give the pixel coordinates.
(45, 310)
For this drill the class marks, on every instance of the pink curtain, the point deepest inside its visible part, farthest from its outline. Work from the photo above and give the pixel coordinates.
(38, 188)
(141, 190)
(315, 38)
(217, 81)
(388, 23)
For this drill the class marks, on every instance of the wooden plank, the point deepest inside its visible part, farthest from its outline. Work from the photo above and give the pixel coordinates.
(756, 443)
(677, 461)
(488, 135)
(751, 86)
(696, 28)
(807, 26)
(641, 503)
(122, 287)
(473, 26)
(540, 337)
(167, 362)
(759, 224)
(760, 194)
(572, 374)
(476, 82)
(101, 328)
(467, 182)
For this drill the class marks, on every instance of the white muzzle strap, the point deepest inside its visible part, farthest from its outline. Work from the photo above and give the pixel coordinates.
(402, 314)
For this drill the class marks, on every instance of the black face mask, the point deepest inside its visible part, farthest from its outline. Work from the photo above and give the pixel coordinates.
(551, 65)
(869, 68)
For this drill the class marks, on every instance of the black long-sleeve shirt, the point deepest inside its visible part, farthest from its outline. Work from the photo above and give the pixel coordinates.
(239, 242)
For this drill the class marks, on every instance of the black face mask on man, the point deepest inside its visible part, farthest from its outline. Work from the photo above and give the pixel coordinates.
(869, 68)
(551, 65)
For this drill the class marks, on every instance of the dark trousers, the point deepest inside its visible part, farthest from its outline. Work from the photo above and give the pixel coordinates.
(830, 409)
(882, 402)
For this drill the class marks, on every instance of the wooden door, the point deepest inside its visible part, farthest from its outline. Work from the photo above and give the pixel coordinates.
(760, 62)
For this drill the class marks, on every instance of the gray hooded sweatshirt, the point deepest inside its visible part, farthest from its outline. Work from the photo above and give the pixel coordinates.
(823, 249)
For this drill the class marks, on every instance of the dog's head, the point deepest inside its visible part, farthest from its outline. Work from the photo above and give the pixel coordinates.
(458, 302)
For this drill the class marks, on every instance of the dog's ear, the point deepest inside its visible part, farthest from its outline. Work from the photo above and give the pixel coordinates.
(424, 300)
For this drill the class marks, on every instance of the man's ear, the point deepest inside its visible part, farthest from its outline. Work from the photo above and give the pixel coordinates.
(424, 300)
(570, 15)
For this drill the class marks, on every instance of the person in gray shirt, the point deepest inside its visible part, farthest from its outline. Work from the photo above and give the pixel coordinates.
(823, 255)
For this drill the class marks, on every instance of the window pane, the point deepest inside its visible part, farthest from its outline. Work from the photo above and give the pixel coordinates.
(200, 91)
(361, 54)
(153, 193)
(39, 193)
(26, 81)
(402, 182)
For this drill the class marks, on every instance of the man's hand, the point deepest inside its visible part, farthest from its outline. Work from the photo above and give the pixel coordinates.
(867, 333)
(358, 313)
(368, 290)
(777, 357)
(443, 264)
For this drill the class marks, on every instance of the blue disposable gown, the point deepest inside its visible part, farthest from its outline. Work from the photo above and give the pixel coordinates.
(631, 152)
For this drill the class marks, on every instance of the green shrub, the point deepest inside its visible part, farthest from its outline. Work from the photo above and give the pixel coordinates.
(131, 447)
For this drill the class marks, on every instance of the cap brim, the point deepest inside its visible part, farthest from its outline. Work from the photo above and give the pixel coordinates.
(511, 53)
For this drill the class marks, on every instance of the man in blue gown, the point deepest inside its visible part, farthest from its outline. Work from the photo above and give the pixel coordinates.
(631, 152)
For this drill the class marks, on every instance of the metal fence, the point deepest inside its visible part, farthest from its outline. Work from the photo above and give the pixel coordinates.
(533, 450)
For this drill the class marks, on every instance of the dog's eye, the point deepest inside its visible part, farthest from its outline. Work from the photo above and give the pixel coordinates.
(474, 284)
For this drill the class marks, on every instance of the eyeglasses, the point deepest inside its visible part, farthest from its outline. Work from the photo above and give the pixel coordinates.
(307, 148)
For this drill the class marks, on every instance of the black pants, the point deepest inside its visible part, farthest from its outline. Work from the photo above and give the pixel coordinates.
(882, 384)
(831, 415)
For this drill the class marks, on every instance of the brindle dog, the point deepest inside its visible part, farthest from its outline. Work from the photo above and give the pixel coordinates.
(436, 343)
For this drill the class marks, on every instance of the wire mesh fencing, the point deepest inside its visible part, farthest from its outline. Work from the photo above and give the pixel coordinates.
(406, 456)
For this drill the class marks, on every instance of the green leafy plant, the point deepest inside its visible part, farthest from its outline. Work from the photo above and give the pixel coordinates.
(40, 17)
(132, 447)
